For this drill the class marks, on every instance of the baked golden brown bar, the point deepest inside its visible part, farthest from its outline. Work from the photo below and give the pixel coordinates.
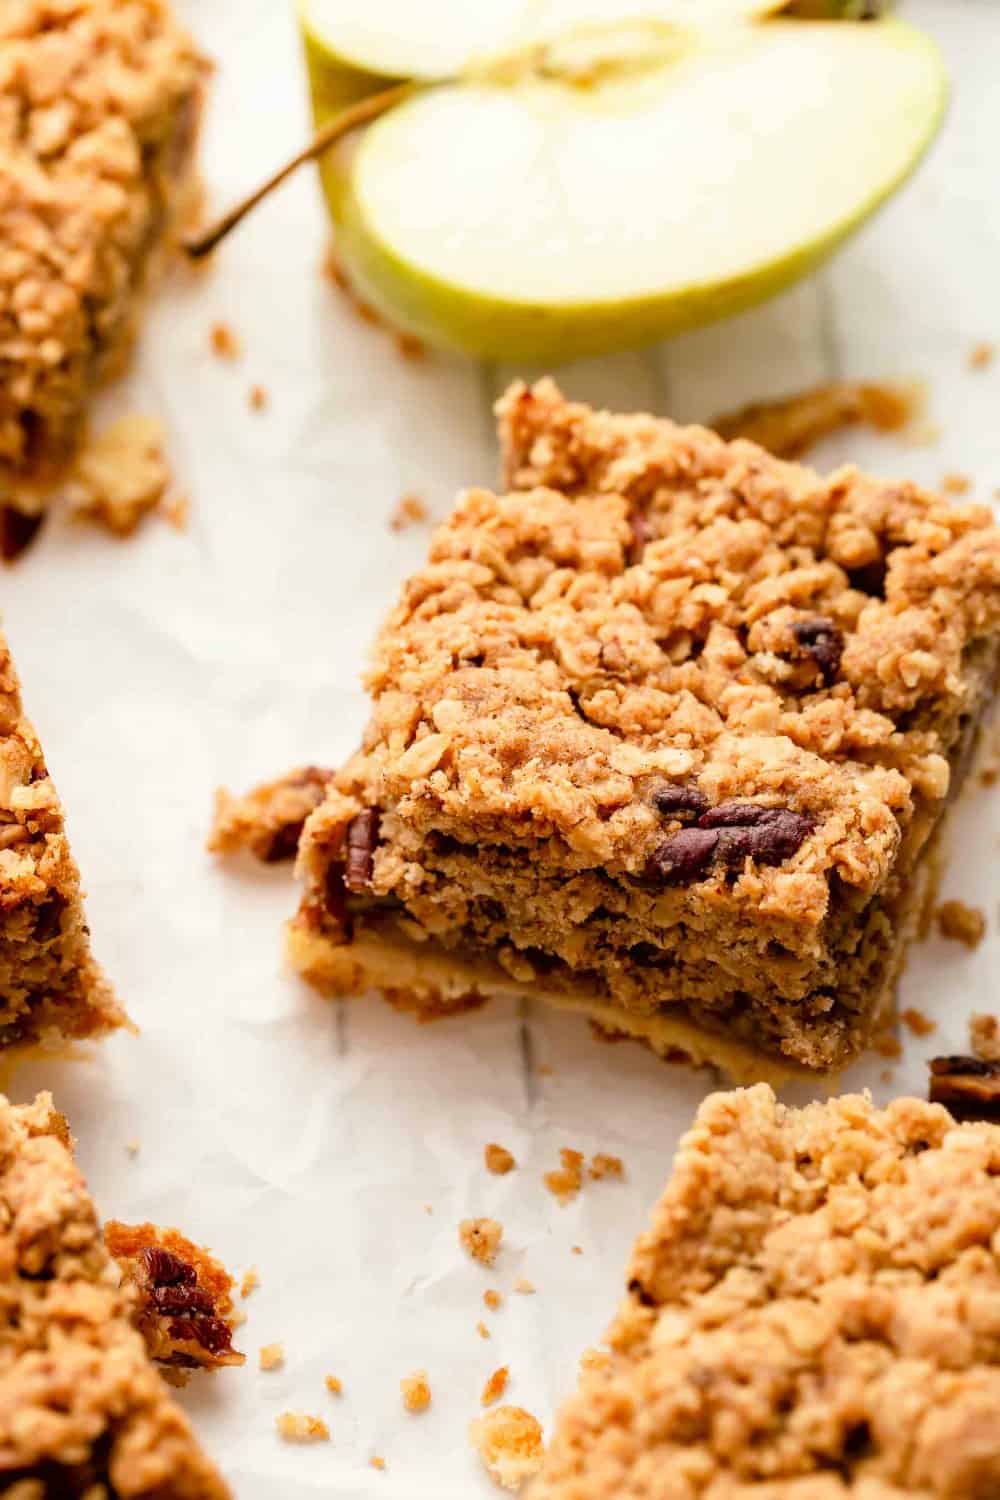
(50, 986)
(813, 1314)
(83, 1412)
(184, 1297)
(99, 108)
(664, 735)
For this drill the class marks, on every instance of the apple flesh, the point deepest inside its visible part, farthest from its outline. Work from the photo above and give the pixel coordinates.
(589, 185)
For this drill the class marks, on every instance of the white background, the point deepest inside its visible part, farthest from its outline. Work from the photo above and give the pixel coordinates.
(308, 1138)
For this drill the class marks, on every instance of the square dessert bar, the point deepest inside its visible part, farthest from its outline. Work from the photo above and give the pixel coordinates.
(99, 108)
(813, 1314)
(663, 735)
(50, 986)
(83, 1412)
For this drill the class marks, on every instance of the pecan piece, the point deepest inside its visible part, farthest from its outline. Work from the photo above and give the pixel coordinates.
(968, 1086)
(675, 801)
(684, 856)
(182, 1299)
(17, 531)
(213, 1334)
(164, 1268)
(362, 838)
(821, 640)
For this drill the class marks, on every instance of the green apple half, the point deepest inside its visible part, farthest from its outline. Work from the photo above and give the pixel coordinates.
(566, 180)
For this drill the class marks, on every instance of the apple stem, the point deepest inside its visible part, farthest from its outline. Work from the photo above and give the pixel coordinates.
(202, 241)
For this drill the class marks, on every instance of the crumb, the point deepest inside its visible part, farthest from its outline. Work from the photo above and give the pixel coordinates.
(525, 1287)
(956, 484)
(300, 1427)
(428, 1208)
(495, 1386)
(408, 511)
(887, 1044)
(481, 1238)
(984, 1037)
(483, 1331)
(788, 428)
(963, 924)
(602, 1165)
(981, 356)
(595, 1359)
(886, 1075)
(377, 1461)
(272, 1356)
(498, 1159)
(334, 1385)
(258, 398)
(493, 1300)
(176, 510)
(565, 1182)
(250, 1282)
(120, 475)
(269, 818)
(410, 347)
(576, 1249)
(509, 1442)
(917, 1022)
(132, 1147)
(416, 1391)
(225, 341)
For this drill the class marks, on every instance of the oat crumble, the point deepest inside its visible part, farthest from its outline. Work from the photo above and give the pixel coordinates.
(495, 1386)
(334, 1385)
(121, 475)
(789, 428)
(602, 1165)
(565, 1181)
(498, 1159)
(961, 923)
(300, 1427)
(416, 1391)
(984, 1036)
(493, 1300)
(409, 511)
(272, 1356)
(267, 821)
(481, 1238)
(509, 1442)
(917, 1022)
(225, 341)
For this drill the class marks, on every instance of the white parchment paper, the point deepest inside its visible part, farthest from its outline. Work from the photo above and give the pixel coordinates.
(338, 1147)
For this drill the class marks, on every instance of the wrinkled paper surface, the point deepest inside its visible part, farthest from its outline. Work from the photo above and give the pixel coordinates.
(337, 1148)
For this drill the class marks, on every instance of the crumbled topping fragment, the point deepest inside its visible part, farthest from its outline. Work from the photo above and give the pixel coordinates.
(981, 356)
(509, 1442)
(917, 1022)
(250, 1281)
(962, 923)
(524, 1286)
(225, 341)
(272, 1356)
(984, 1036)
(481, 1238)
(410, 510)
(268, 820)
(602, 1165)
(498, 1159)
(565, 1182)
(258, 398)
(790, 427)
(334, 1385)
(416, 1391)
(492, 1299)
(300, 1427)
(495, 1386)
(956, 484)
(120, 475)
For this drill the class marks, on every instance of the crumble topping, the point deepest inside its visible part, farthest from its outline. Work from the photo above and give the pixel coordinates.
(509, 1442)
(483, 1331)
(184, 1297)
(121, 475)
(492, 1299)
(498, 1159)
(524, 1286)
(917, 1022)
(956, 484)
(258, 398)
(272, 1356)
(981, 356)
(410, 510)
(334, 1385)
(495, 1386)
(984, 1036)
(602, 1165)
(416, 1391)
(99, 104)
(225, 341)
(808, 1276)
(962, 923)
(481, 1238)
(268, 820)
(84, 1411)
(300, 1427)
(789, 428)
(250, 1281)
(565, 1181)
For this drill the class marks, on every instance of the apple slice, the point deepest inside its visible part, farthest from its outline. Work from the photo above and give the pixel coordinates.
(576, 183)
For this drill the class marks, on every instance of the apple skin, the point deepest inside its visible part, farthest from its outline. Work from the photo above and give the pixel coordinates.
(484, 327)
